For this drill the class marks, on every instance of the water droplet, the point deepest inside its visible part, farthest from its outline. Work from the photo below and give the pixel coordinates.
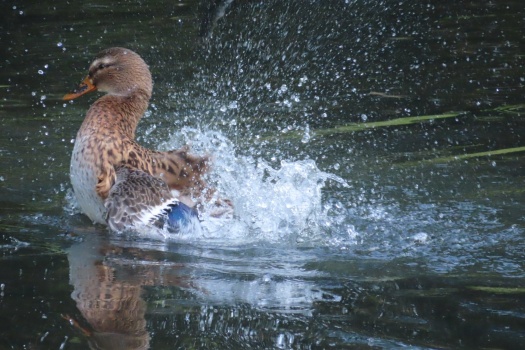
(420, 237)
(306, 135)
(283, 89)
(267, 278)
(40, 71)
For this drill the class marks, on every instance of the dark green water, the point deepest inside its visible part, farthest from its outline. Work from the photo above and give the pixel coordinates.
(424, 249)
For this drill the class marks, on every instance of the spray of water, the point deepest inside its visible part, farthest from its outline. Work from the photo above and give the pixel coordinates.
(271, 204)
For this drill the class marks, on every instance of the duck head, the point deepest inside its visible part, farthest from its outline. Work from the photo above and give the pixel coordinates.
(116, 71)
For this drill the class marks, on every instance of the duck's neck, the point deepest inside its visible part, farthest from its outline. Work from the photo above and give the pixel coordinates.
(117, 114)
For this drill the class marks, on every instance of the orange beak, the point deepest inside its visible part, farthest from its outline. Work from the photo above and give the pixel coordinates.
(84, 87)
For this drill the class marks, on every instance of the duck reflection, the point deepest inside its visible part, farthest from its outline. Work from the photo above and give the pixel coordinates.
(108, 282)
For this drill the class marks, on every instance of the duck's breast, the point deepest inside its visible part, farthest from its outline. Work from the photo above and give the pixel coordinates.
(84, 173)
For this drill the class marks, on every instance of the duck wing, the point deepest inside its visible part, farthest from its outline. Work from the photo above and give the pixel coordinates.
(138, 199)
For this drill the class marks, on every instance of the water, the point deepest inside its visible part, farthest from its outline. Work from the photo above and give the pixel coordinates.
(355, 225)
(272, 204)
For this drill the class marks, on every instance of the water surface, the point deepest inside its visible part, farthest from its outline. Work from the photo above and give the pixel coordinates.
(373, 151)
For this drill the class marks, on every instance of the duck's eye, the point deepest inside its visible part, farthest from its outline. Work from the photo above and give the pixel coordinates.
(102, 66)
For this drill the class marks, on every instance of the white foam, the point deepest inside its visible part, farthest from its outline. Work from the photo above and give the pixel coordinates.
(271, 204)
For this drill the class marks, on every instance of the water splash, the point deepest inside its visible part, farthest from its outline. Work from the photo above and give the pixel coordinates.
(271, 204)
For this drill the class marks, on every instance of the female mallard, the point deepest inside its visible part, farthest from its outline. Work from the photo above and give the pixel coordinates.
(116, 181)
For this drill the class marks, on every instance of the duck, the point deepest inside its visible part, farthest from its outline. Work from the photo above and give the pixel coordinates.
(116, 181)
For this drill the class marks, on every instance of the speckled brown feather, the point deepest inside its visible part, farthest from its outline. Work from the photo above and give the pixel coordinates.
(106, 139)
(113, 133)
(136, 198)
